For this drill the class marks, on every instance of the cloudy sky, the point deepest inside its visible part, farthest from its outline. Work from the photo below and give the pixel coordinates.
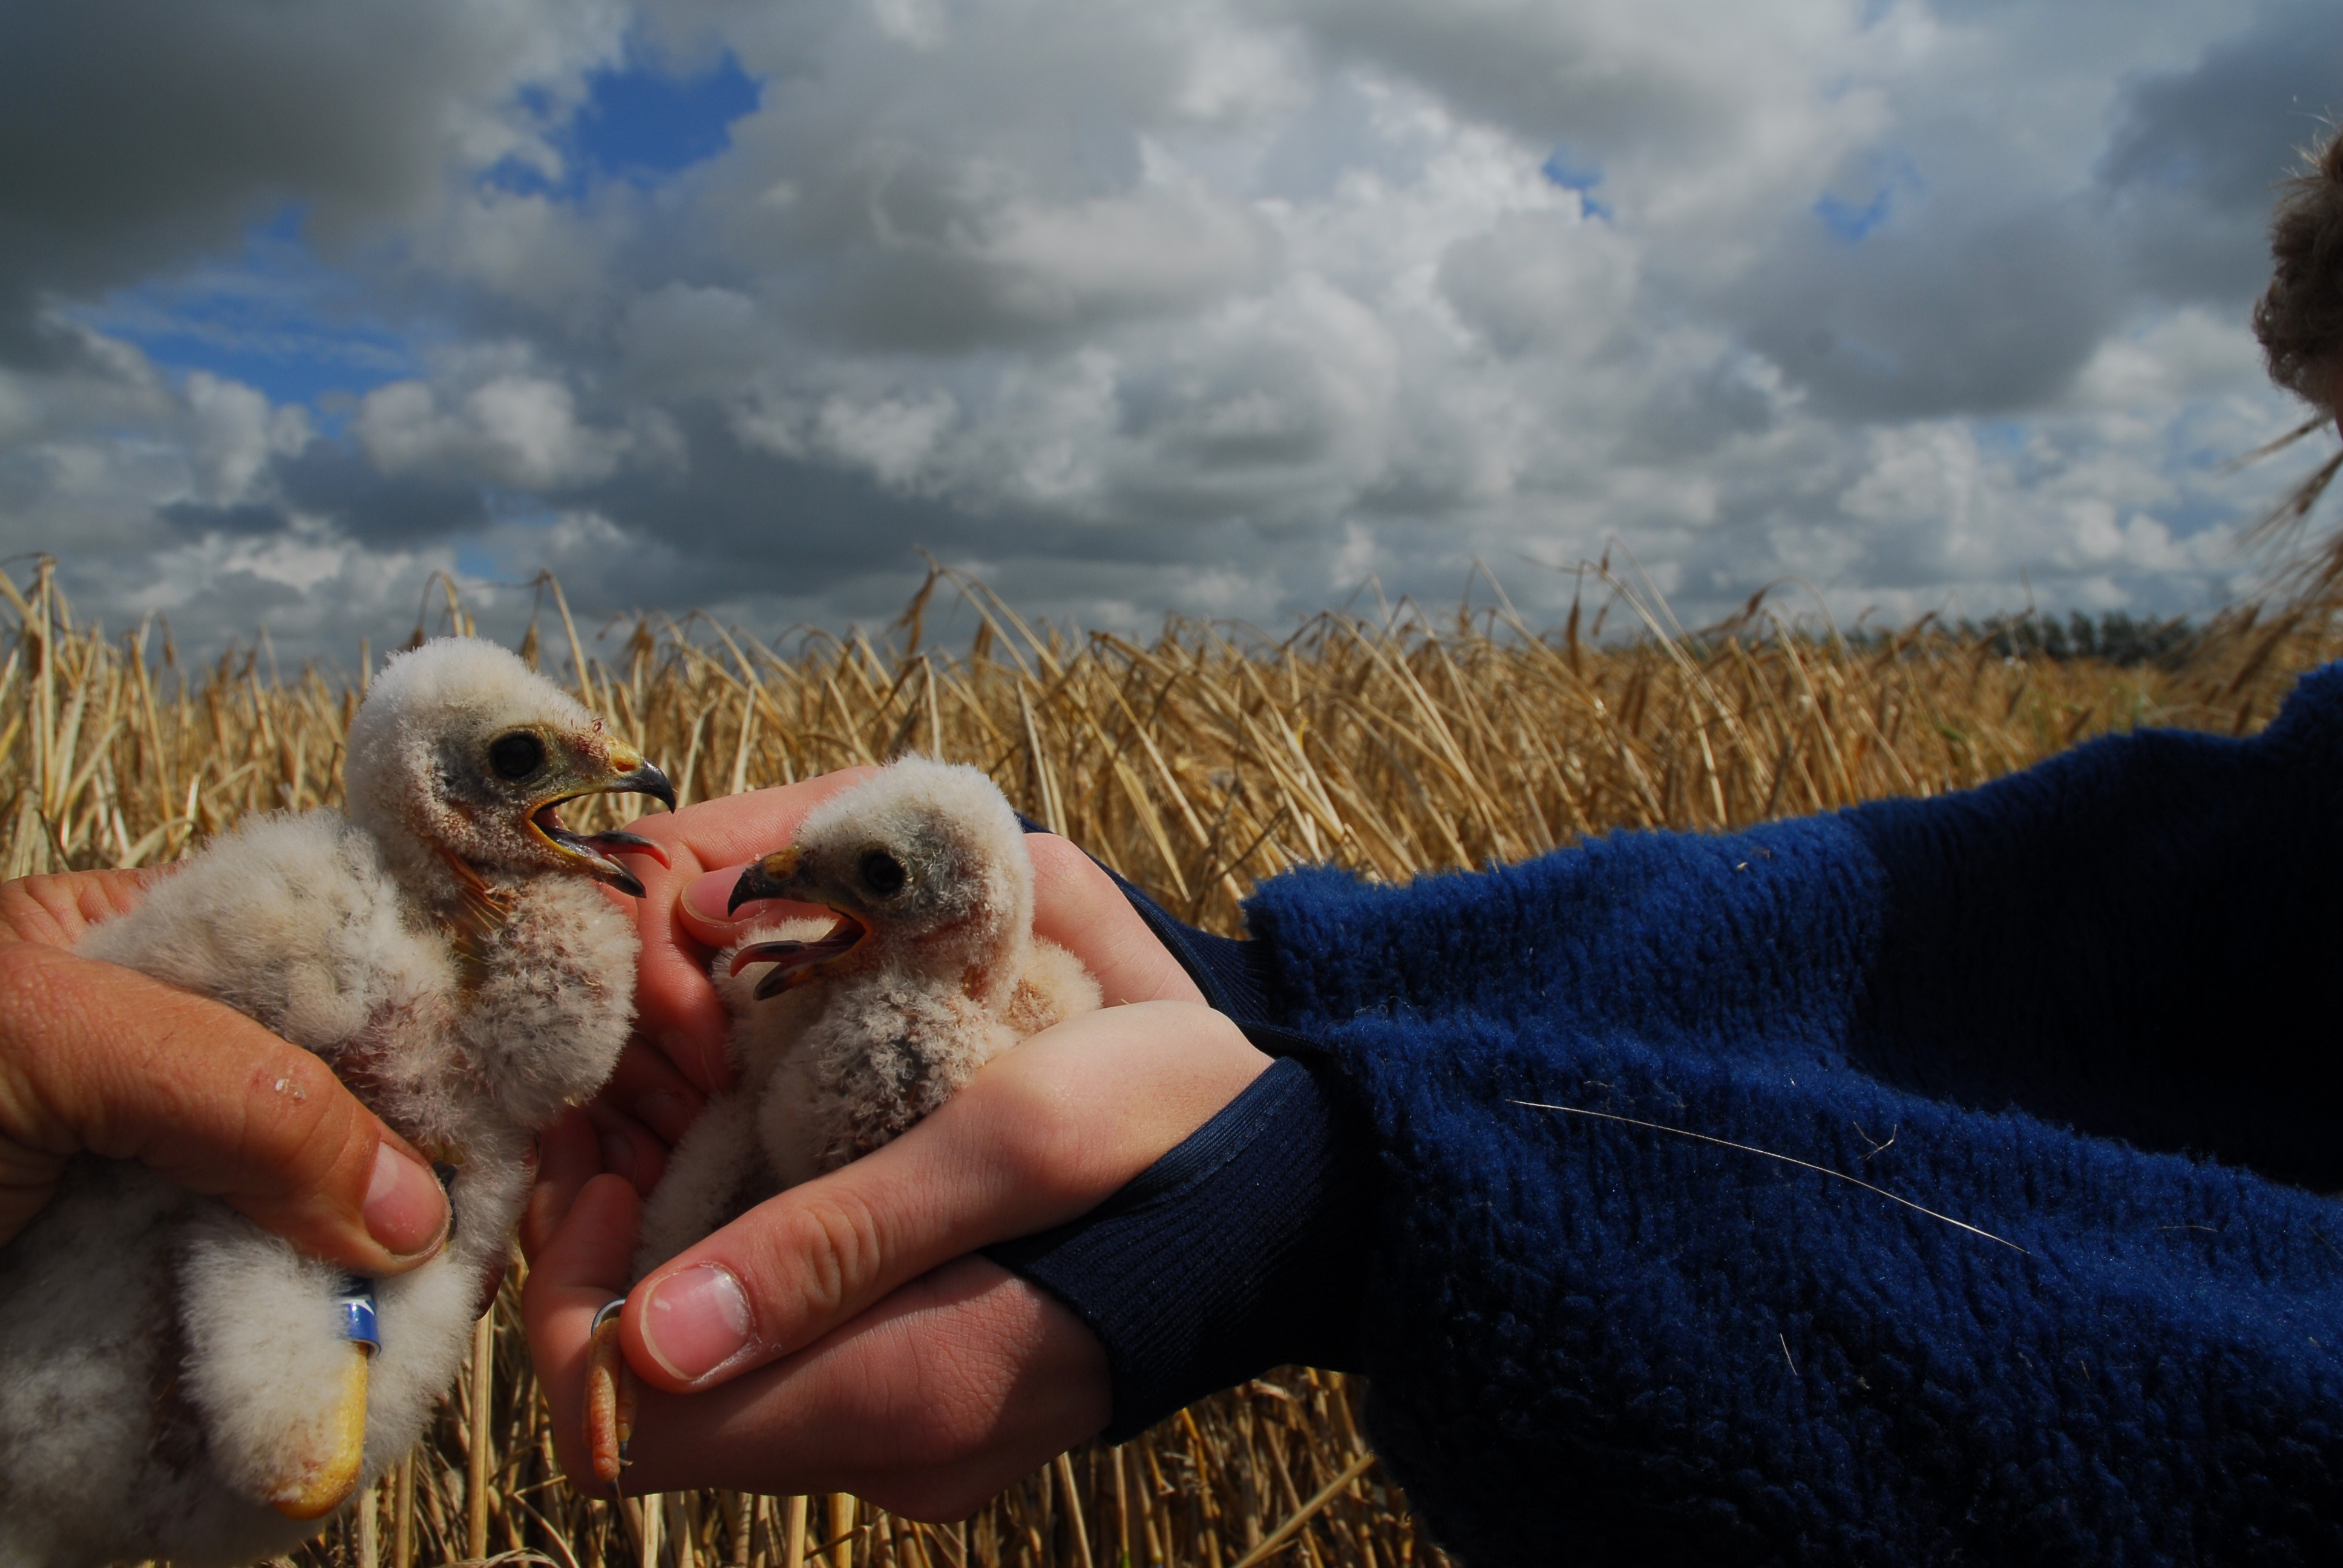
(1217, 308)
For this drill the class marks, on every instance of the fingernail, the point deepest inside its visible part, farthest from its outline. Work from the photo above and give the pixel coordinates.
(404, 1209)
(708, 894)
(695, 1321)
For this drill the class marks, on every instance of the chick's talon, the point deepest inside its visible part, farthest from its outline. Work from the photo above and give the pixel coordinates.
(316, 1483)
(609, 1397)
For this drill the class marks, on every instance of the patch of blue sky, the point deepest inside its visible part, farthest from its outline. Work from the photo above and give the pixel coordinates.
(474, 560)
(275, 317)
(1563, 168)
(1849, 222)
(639, 124)
(2001, 437)
(1853, 219)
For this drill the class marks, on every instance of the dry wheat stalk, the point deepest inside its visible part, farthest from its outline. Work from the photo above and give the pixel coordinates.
(1195, 764)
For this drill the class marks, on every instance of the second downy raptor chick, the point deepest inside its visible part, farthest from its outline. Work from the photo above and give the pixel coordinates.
(847, 1031)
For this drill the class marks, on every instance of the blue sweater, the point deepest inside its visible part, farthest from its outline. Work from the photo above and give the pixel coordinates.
(2078, 1021)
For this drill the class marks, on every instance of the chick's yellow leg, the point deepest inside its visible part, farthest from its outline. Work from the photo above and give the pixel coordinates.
(323, 1471)
(609, 1398)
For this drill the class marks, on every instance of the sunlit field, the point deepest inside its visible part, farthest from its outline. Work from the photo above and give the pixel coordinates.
(1196, 764)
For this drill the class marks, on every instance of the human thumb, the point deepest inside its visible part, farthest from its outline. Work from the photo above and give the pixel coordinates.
(100, 1059)
(1041, 1136)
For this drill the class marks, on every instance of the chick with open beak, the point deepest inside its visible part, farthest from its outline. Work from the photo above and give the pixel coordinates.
(447, 944)
(471, 800)
(930, 970)
(847, 1033)
(795, 960)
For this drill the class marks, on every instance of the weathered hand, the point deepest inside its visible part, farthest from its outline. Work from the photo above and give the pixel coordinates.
(95, 1059)
(838, 1336)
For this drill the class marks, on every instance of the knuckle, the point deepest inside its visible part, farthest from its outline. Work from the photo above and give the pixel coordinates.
(835, 1252)
(19, 911)
(1038, 1137)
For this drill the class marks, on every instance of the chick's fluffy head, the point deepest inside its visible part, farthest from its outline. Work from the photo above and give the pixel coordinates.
(922, 850)
(458, 743)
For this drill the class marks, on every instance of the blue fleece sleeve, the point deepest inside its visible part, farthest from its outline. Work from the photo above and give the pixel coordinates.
(1933, 1181)
(1923, 1183)
(1240, 1251)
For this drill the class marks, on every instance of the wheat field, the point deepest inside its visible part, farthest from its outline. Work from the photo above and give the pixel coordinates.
(1195, 764)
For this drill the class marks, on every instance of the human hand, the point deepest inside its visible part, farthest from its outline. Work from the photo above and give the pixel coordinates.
(678, 1059)
(880, 1357)
(839, 1337)
(100, 1059)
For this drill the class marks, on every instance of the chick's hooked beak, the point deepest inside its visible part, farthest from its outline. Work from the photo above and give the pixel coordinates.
(626, 774)
(783, 875)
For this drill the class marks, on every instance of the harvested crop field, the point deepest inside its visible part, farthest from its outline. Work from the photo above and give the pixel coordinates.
(1196, 764)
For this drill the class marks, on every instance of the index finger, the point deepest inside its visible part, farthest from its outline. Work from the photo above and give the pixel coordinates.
(59, 908)
(676, 1009)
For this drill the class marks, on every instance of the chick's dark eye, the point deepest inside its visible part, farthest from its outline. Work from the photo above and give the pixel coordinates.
(516, 756)
(881, 872)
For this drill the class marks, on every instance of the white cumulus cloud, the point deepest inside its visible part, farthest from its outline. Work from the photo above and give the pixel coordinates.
(1191, 305)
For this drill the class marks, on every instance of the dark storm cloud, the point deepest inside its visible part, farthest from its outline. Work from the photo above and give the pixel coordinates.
(1954, 316)
(747, 521)
(135, 135)
(742, 521)
(2191, 169)
(250, 518)
(331, 481)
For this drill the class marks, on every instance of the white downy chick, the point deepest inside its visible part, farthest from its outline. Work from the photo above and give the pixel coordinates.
(851, 1029)
(931, 971)
(846, 1031)
(176, 1382)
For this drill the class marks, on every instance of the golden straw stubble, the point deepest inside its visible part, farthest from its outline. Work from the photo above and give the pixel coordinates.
(1195, 763)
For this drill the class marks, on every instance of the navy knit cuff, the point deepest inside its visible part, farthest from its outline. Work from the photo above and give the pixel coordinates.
(1235, 1252)
(1239, 1250)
